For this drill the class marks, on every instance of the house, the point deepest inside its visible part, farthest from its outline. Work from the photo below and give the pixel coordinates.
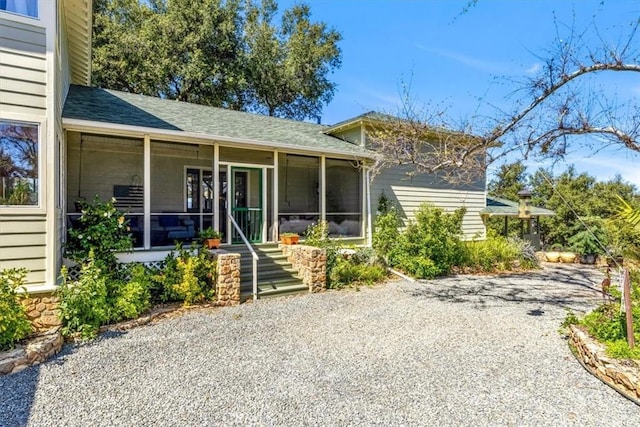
(174, 167)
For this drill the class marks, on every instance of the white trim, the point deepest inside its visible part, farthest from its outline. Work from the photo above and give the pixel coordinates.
(181, 136)
(323, 188)
(216, 187)
(246, 165)
(147, 192)
(369, 233)
(276, 177)
(264, 205)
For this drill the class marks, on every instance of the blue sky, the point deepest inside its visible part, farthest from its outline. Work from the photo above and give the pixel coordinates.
(453, 59)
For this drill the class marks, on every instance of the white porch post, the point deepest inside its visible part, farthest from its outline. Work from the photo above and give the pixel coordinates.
(323, 184)
(264, 204)
(276, 223)
(147, 192)
(367, 186)
(216, 187)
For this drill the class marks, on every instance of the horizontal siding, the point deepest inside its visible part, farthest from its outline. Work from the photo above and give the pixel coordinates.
(409, 195)
(22, 68)
(23, 245)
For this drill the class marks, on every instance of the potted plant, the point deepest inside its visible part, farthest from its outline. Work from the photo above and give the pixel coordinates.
(567, 256)
(588, 245)
(210, 238)
(289, 238)
(553, 255)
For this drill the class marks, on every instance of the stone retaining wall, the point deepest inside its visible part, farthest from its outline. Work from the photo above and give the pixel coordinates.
(622, 375)
(311, 264)
(35, 351)
(228, 282)
(42, 311)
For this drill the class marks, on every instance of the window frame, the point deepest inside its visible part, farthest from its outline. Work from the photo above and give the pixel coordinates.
(13, 13)
(40, 206)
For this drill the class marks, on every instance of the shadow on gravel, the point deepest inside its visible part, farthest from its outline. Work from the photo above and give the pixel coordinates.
(567, 287)
(15, 407)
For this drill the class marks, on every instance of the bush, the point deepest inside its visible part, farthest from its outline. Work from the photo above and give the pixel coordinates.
(385, 231)
(364, 267)
(14, 324)
(497, 253)
(186, 276)
(430, 246)
(101, 230)
(83, 303)
(128, 300)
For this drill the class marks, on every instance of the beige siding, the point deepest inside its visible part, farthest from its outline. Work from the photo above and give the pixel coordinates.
(22, 245)
(22, 68)
(409, 195)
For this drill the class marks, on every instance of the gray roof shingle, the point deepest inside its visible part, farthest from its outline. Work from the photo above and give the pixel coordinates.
(109, 106)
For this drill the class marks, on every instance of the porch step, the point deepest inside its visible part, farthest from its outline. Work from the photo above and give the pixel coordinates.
(276, 277)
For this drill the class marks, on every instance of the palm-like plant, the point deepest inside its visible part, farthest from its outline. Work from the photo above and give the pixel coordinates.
(630, 218)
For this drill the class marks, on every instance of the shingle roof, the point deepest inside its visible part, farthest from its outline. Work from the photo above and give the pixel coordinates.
(110, 106)
(503, 207)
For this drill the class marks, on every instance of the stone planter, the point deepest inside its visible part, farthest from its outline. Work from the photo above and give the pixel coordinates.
(588, 259)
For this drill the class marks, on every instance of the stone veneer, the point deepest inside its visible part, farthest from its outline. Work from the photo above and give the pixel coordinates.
(311, 264)
(35, 351)
(228, 282)
(42, 311)
(622, 375)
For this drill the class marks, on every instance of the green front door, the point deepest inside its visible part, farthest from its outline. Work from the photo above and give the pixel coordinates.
(246, 203)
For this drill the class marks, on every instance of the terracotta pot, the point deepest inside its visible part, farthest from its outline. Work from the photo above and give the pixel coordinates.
(552, 256)
(212, 243)
(289, 240)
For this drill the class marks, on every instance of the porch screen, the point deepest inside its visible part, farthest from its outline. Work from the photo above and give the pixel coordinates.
(344, 197)
(298, 198)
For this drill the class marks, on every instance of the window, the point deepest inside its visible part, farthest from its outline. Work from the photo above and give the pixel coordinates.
(21, 7)
(18, 164)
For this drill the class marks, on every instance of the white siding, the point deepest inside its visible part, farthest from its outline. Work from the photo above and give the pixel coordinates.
(22, 68)
(408, 195)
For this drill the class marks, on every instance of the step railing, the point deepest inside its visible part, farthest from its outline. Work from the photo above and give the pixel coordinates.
(254, 256)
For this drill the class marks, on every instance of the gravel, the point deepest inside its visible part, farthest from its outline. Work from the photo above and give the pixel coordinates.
(481, 350)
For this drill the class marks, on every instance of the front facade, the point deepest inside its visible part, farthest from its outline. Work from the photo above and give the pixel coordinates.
(174, 168)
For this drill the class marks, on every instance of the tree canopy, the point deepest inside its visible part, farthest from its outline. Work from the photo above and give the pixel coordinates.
(222, 53)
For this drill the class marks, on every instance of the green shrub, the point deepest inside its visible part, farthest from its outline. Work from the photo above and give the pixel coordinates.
(128, 300)
(83, 303)
(14, 324)
(385, 231)
(430, 246)
(497, 253)
(186, 276)
(101, 229)
(363, 267)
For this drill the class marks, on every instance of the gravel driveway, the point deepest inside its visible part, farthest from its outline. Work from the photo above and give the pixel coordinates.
(470, 351)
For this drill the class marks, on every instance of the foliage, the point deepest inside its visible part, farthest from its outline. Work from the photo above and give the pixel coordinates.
(83, 303)
(187, 276)
(289, 234)
(101, 229)
(498, 253)
(607, 324)
(430, 246)
(129, 299)
(348, 273)
(385, 231)
(14, 324)
(229, 54)
(209, 233)
(591, 241)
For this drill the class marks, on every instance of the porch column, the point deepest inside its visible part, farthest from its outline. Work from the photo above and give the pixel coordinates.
(147, 192)
(216, 187)
(323, 187)
(276, 222)
(264, 204)
(367, 194)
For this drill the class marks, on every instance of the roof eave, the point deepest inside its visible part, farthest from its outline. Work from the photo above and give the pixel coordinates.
(177, 136)
(78, 20)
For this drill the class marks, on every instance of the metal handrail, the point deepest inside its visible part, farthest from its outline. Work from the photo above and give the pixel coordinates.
(254, 256)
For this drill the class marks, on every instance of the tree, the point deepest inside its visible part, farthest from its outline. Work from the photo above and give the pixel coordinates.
(553, 109)
(510, 179)
(223, 53)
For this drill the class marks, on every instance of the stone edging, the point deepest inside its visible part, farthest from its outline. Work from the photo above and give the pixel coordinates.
(35, 351)
(620, 374)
